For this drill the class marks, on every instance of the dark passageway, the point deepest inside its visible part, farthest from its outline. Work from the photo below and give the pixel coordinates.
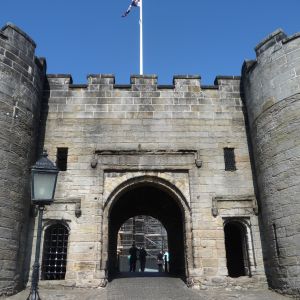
(235, 249)
(147, 199)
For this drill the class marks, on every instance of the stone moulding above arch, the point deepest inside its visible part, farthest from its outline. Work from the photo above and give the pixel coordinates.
(156, 181)
(47, 222)
(234, 205)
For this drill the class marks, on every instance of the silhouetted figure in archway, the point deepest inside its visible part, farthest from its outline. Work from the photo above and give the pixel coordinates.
(142, 257)
(166, 260)
(133, 251)
(160, 261)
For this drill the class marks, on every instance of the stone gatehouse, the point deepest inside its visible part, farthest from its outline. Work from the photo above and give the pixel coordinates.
(214, 164)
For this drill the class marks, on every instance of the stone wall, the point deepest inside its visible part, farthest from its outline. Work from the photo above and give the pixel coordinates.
(21, 83)
(272, 94)
(144, 117)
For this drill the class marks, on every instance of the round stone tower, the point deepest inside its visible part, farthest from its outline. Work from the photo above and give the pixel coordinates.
(21, 84)
(272, 96)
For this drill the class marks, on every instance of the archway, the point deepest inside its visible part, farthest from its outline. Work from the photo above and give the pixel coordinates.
(145, 197)
(236, 249)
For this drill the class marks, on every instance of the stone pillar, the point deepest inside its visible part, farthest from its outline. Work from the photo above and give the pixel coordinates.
(272, 96)
(21, 83)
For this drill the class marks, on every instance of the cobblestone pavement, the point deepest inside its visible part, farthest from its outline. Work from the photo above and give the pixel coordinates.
(150, 288)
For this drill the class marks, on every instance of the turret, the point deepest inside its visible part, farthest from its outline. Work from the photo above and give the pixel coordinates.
(272, 97)
(21, 83)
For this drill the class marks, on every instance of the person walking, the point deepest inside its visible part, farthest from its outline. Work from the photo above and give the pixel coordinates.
(166, 260)
(133, 251)
(160, 261)
(142, 257)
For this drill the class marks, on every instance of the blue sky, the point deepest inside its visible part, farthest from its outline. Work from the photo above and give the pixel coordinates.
(202, 37)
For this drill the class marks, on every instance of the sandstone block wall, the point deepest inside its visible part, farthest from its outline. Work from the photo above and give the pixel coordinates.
(21, 83)
(144, 116)
(272, 93)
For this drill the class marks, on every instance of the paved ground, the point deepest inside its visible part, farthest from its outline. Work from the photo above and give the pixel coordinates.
(150, 288)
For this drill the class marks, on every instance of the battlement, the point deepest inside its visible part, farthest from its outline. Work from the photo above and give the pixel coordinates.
(18, 40)
(274, 38)
(274, 75)
(17, 52)
(10, 28)
(273, 42)
(185, 83)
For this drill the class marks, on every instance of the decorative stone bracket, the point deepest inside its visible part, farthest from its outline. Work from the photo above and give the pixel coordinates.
(250, 198)
(76, 201)
(198, 161)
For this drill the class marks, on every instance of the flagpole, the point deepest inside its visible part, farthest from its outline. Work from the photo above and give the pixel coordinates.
(141, 38)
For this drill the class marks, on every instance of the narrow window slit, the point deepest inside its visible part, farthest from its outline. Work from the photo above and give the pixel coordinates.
(276, 240)
(229, 159)
(62, 159)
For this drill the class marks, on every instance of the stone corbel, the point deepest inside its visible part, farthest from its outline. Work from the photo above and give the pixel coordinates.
(255, 206)
(94, 161)
(214, 208)
(78, 209)
(198, 161)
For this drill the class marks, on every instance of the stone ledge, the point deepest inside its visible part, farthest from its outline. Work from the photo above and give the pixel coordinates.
(235, 198)
(145, 152)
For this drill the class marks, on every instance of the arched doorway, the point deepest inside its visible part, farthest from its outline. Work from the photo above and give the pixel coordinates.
(236, 249)
(146, 197)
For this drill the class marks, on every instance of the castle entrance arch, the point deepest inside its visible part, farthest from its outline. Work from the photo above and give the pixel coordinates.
(153, 197)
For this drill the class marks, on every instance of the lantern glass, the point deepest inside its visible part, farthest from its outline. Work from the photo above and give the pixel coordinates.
(44, 185)
(43, 180)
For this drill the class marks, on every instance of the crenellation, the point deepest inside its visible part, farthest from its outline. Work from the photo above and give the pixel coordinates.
(101, 79)
(227, 80)
(274, 39)
(142, 80)
(59, 79)
(138, 82)
(19, 39)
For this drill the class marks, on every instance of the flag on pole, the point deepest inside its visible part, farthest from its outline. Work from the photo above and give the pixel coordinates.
(134, 3)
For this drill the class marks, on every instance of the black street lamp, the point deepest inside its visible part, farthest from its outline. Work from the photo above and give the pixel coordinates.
(43, 182)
